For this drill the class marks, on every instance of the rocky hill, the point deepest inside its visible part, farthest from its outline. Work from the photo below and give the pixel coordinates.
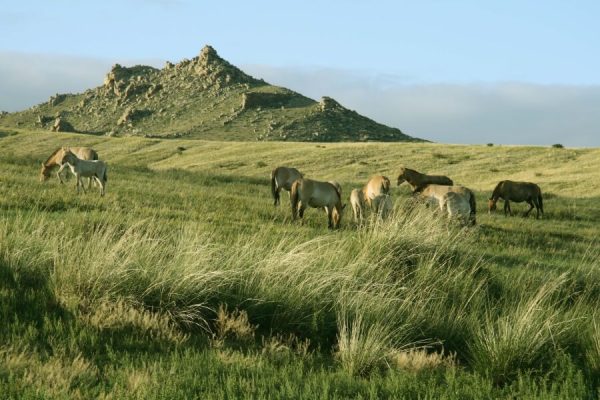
(205, 98)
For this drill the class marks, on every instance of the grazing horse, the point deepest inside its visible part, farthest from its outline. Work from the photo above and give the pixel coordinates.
(309, 193)
(419, 181)
(85, 168)
(377, 187)
(517, 192)
(84, 153)
(282, 178)
(457, 206)
(436, 193)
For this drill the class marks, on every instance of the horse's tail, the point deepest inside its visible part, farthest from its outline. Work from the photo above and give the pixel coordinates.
(105, 174)
(274, 186)
(294, 198)
(473, 204)
(540, 201)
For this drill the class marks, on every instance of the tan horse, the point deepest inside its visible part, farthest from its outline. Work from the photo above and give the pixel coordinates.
(282, 178)
(419, 181)
(435, 194)
(357, 202)
(517, 192)
(85, 168)
(375, 188)
(309, 193)
(84, 153)
(457, 206)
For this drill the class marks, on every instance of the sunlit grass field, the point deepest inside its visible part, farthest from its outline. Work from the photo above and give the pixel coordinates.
(184, 281)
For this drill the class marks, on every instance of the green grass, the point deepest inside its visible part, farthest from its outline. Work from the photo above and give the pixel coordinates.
(184, 281)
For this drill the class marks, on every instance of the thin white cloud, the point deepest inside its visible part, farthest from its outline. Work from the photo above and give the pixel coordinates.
(501, 113)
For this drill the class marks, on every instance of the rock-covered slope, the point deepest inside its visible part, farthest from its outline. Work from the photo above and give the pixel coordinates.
(206, 98)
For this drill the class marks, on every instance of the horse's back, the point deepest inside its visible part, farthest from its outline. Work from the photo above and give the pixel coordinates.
(519, 191)
(376, 186)
(318, 193)
(285, 176)
(84, 153)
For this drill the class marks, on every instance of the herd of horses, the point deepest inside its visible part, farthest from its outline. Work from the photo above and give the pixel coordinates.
(83, 163)
(456, 201)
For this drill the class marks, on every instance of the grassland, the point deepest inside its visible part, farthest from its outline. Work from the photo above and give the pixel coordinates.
(185, 281)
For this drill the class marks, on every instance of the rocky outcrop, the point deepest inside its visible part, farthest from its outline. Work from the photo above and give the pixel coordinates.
(203, 97)
(60, 125)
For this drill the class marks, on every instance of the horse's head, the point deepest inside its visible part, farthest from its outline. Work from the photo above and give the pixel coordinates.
(44, 173)
(67, 156)
(401, 176)
(491, 204)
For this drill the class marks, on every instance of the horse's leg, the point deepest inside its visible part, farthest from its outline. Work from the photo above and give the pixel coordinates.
(59, 171)
(507, 208)
(537, 207)
(80, 182)
(530, 202)
(329, 217)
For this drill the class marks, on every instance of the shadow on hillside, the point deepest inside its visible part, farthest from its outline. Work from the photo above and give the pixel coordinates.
(33, 318)
(27, 303)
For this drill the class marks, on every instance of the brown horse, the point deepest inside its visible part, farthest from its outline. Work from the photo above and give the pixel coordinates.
(55, 160)
(437, 194)
(517, 192)
(309, 193)
(282, 178)
(419, 181)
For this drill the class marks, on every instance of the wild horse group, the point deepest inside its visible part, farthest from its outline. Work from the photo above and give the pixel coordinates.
(457, 202)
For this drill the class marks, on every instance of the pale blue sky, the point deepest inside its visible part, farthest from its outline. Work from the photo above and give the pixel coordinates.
(449, 71)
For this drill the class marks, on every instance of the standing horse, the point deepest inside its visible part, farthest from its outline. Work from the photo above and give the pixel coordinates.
(436, 193)
(457, 206)
(84, 153)
(309, 193)
(377, 187)
(357, 201)
(85, 168)
(517, 192)
(419, 181)
(282, 178)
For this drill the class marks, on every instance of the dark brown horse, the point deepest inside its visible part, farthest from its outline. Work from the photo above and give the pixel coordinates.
(517, 192)
(419, 181)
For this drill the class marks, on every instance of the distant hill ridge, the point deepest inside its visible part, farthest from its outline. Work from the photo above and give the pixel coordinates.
(204, 98)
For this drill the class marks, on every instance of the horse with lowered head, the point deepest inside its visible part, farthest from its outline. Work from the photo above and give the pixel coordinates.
(517, 192)
(309, 193)
(439, 195)
(282, 178)
(419, 181)
(95, 169)
(55, 160)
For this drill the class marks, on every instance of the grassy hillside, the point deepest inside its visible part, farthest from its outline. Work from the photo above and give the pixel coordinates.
(185, 281)
(202, 98)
